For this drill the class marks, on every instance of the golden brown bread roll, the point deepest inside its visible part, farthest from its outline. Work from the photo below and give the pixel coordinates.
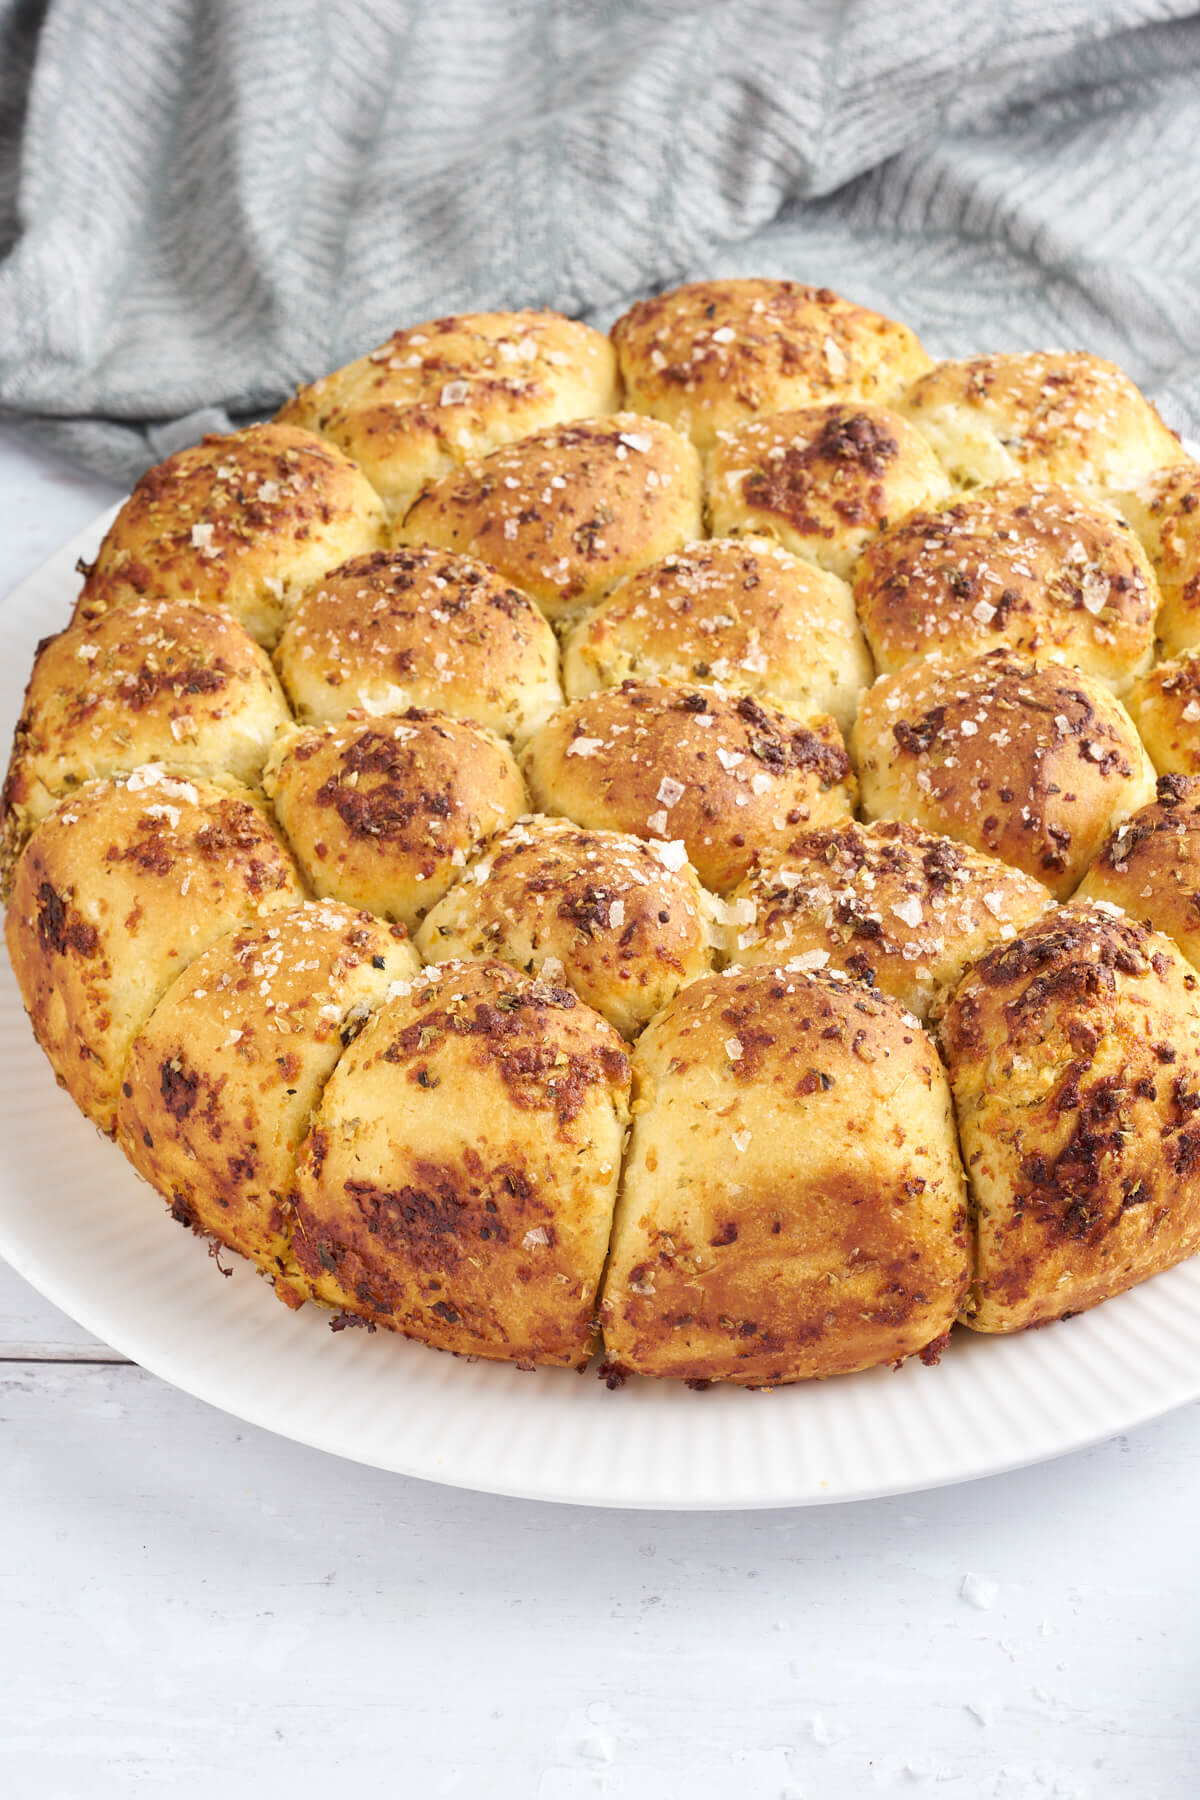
(738, 611)
(567, 513)
(1165, 707)
(1026, 564)
(383, 813)
(792, 1204)
(441, 392)
(1074, 1056)
(420, 627)
(246, 522)
(221, 1082)
(459, 1180)
(717, 777)
(709, 356)
(597, 910)
(1164, 509)
(1052, 415)
(1150, 866)
(116, 892)
(823, 481)
(1029, 762)
(895, 908)
(149, 681)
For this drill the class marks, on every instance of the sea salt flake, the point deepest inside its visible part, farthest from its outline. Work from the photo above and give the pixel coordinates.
(202, 536)
(616, 915)
(454, 393)
(670, 791)
(733, 1049)
(657, 822)
(584, 746)
(724, 334)
(671, 855)
(741, 1141)
(1191, 711)
(636, 440)
(909, 910)
(538, 1235)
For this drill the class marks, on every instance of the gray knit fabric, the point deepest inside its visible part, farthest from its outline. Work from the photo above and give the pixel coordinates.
(202, 204)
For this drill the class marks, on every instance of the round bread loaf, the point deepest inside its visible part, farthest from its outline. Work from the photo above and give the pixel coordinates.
(1026, 564)
(418, 627)
(246, 522)
(1150, 866)
(792, 1204)
(597, 910)
(150, 681)
(221, 1082)
(709, 356)
(569, 512)
(438, 393)
(383, 813)
(1164, 509)
(716, 777)
(1053, 415)
(890, 906)
(823, 481)
(1165, 707)
(116, 892)
(738, 611)
(1074, 1056)
(1029, 762)
(459, 1180)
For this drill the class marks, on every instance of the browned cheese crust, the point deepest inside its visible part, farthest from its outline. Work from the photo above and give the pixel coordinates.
(895, 908)
(150, 681)
(567, 513)
(792, 1204)
(383, 813)
(823, 480)
(1074, 1056)
(420, 627)
(1053, 415)
(1025, 564)
(1029, 762)
(1165, 707)
(718, 777)
(596, 910)
(1150, 867)
(459, 1181)
(439, 393)
(739, 611)
(221, 1082)
(117, 891)
(245, 522)
(1164, 509)
(709, 356)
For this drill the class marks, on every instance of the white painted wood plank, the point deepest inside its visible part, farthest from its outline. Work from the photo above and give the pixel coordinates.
(193, 1605)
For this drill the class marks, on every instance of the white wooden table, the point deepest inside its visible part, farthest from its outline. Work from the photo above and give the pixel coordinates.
(190, 1605)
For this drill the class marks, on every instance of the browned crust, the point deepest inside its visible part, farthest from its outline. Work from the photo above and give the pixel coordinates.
(722, 776)
(1074, 1055)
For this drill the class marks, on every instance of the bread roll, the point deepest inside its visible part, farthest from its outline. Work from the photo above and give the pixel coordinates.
(1150, 866)
(1051, 415)
(738, 611)
(246, 522)
(1074, 1056)
(1165, 707)
(596, 910)
(222, 1080)
(715, 777)
(709, 356)
(569, 512)
(425, 628)
(459, 1180)
(1024, 564)
(892, 907)
(1029, 762)
(117, 891)
(823, 481)
(1164, 509)
(792, 1203)
(383, 813)
(438, 393)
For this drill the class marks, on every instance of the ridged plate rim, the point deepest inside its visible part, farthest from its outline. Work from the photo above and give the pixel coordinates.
(81, 1228)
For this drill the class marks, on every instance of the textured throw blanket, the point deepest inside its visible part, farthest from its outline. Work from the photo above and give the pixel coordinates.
(204, 202)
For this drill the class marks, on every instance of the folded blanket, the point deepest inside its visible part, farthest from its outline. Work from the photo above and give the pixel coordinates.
(201, 206)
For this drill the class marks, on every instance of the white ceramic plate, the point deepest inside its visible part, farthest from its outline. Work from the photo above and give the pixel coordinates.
(79, 1226)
